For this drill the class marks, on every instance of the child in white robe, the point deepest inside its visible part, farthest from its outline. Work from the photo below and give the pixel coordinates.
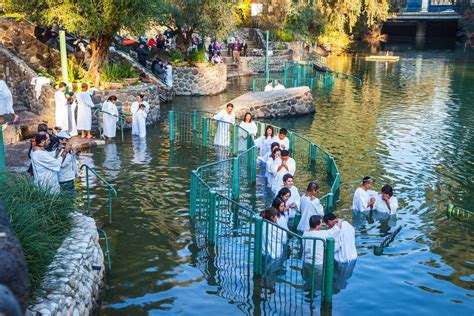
(283, 140)
(385, 201)
(110, 117)
(134, 109)
(309, 206)
(222, 137)
(141, 121)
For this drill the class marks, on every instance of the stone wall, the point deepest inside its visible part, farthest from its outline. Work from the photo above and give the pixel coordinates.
(71, 287)
(280, 103)
(204, 80)
(127, 96)
(18, 36)
(254, 65)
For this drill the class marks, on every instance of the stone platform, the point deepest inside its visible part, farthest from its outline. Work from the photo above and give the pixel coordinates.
(280, 103)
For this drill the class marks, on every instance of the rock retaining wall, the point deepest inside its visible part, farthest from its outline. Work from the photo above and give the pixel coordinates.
(205, 80)
(71, 287)
(281, 103)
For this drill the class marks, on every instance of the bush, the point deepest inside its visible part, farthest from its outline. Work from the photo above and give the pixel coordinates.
(175, 55)
(41, 221)
(75, 70)
(197, 56)
(113, 72)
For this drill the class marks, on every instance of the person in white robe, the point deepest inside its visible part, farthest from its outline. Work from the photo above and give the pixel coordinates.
(61, 110)
(273, 238)
(270, 176)
(269, 86)
(283, 140)
(84, 111)
(247, 127)
(141, 121)
(46, 165)
(225, 118)
(279, 86)
(310, 251)
(134, 109)
(281, 166)
(293, 200)
(72, 106)
(169, 75)
(385, 202)
(264, 142)
(364, 197)
(6, 103)
(309, 206)
(110, 117)
(344, 235)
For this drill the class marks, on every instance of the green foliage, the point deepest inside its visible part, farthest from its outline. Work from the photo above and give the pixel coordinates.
(41, 221)
(304, 22)
(113, 72)
(197, 56)
(75, 70)
(175, 55)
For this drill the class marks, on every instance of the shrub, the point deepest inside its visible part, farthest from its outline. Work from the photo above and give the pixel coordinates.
(113, 72)
(41, 221)
(175, 55)
(75, 70)
(197, 56)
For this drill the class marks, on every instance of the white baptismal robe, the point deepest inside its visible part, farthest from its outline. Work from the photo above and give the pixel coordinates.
(273, 240)
(61, 111)
(244, 130)
(381, 205)
(345, 249)
(45, 169)
(284, 143)
(84, 111)
(110, 120)
(294, 198)
(6, 99)
(361, 199)
(268, 171)
(222, 137)
(265, 143)
(133, 110)
(278, 180)
(309, 208)
(141, 123)
(308, 246)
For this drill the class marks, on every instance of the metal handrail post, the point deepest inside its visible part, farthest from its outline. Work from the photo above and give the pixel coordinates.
(235, 178)
(195, 116)
(2, 152)
(257, 255)
(204, 132)
(107, 250)
(212, 218)
(235, 139)
(193, 195)
(328, 271)
(110, 206)
(88, 190)
(171, 123)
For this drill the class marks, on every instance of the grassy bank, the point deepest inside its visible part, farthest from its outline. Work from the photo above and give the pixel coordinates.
(40, 220)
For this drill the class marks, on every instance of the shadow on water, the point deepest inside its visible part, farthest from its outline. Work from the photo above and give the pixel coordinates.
(409, 124)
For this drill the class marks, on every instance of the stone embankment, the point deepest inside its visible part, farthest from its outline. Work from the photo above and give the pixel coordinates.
(280, 103)
(207, 79)
(71, 287)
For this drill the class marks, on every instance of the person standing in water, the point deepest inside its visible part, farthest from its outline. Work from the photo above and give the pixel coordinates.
(225, 118)
(364, 197)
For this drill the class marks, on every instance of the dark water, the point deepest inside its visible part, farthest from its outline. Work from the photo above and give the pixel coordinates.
(410, 124)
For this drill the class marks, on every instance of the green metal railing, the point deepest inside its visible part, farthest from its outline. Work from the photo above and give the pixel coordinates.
(453, 211)
(378, 250)
(112, 193)
(121, 120)
(222, 213)
(107, 249)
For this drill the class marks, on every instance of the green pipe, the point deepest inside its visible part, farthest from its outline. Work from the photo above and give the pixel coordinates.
(107, 250)
(2, 152)
(195, 116)
(267, 68)
(171, 123)
(235, 178)
(235, 139)
(254, 85)
(63, 51)
(212, 218)
(192, 194)
(328, 271)
(204, 132)
(87, 188)
(257, 254)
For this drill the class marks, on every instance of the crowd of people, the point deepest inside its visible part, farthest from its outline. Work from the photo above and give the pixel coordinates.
(288, 204)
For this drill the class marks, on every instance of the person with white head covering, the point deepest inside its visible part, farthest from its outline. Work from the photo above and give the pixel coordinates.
(134, 109)
(84, 111)
(364, 197)
(6, 102)
(110, 117)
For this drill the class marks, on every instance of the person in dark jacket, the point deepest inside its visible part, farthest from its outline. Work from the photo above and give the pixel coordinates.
(142, 55)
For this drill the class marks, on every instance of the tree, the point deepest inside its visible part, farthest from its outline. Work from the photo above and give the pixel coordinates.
(215, 17)
(304, 22)
(99, 20)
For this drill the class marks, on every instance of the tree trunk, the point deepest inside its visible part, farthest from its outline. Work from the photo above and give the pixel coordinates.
(100, 57)
(183, 43)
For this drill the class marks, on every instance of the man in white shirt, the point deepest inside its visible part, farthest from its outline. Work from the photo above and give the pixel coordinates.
(344, 235)
(69, 171)
(45, 164)
(279, 86)
(281, 166)
(364, 197)
(315, 231)
(269, 86)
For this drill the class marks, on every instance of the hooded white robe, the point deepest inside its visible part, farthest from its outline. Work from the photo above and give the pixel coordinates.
(133, 110)
(222, 137)
(109, 120)
(6, 99)
(309, 208)
(84, 111)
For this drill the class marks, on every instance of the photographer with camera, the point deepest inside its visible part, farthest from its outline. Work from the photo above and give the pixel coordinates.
(45, 164)
(68, 171)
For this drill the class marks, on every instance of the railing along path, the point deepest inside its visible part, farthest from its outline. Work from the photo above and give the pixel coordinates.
(222, 209)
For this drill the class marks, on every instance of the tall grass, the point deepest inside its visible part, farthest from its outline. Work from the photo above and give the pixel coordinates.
(41, 221)
(113, 72)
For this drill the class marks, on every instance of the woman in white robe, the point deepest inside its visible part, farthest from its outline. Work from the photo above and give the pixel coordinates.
(110, 117)
(226, 119)
(134, 109)
(247, 127)
(84, 111)
(276, 154)
(385, 202)
(309, 206)
(264, 142)
(6, 102)
(273, 237)
(61, 108)
(141, 121)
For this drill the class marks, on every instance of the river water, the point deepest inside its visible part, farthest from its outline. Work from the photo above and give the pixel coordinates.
(410, 124)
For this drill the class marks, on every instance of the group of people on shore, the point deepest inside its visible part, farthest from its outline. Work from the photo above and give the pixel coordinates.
(68, 103)
(280, 169)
